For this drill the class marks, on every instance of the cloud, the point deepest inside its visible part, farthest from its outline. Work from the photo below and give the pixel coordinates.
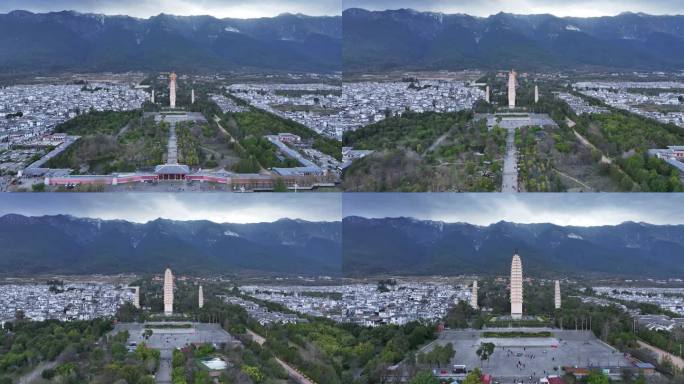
(143, 207)
(475, 208)
(484, 209)
(579, 8)
(147, 8)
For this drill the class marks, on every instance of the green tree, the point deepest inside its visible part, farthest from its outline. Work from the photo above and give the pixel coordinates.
(596, 377)
(202, 377)
(473, 377)
(279, 185)
(253, 372)
(485, 351)
(424, 377)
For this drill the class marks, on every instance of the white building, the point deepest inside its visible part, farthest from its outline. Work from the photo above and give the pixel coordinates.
(511, 88)
(136, 300)
(516, 287)
(172, 90)
(168, 292)
(473, 296)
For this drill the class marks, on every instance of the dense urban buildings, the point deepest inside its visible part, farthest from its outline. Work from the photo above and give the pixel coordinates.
(61, 300)
(580, 105)
(29, 114)
(318, 106)
(670, 299)
(659, 100)
(398, 302)
(369, 102)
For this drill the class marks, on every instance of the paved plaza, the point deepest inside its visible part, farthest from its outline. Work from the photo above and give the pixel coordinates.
(520, 358)
(519, 120)
(168, 339)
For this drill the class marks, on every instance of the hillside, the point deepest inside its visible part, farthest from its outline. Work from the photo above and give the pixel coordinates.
(71, 41)
(409, 246)
(408, 39)
(65, 244)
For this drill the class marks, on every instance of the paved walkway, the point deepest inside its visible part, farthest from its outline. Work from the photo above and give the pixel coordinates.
(172, 151)
(164, 372)
(510, 168)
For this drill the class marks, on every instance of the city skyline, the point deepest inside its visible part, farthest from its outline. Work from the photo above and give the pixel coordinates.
(580, 8)
(144, 207)
(148, 8)
(583, 210)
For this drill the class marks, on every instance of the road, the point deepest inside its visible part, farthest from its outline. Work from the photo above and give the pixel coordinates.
(233, 140)
(676, 361)
(583, 140)
(59, 149)
(294, 374)
(124, 129)
(438, 142)
(588, 188)
(164, 371)
(257, 338)
(36, 372)
(218, 124)
(509, 181)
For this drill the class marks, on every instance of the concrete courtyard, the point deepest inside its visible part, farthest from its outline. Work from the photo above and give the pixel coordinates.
(519, 358)
(168, 339)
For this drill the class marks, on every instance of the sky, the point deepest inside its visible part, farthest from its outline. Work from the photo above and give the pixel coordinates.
(475, 208)
(577, 8)
(568, 209)
(146, 8)
(143, 207)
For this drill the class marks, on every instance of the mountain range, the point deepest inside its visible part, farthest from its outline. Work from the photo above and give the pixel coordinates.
(70, 245)
(413, 247)
(72, 41)
(408, 39)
